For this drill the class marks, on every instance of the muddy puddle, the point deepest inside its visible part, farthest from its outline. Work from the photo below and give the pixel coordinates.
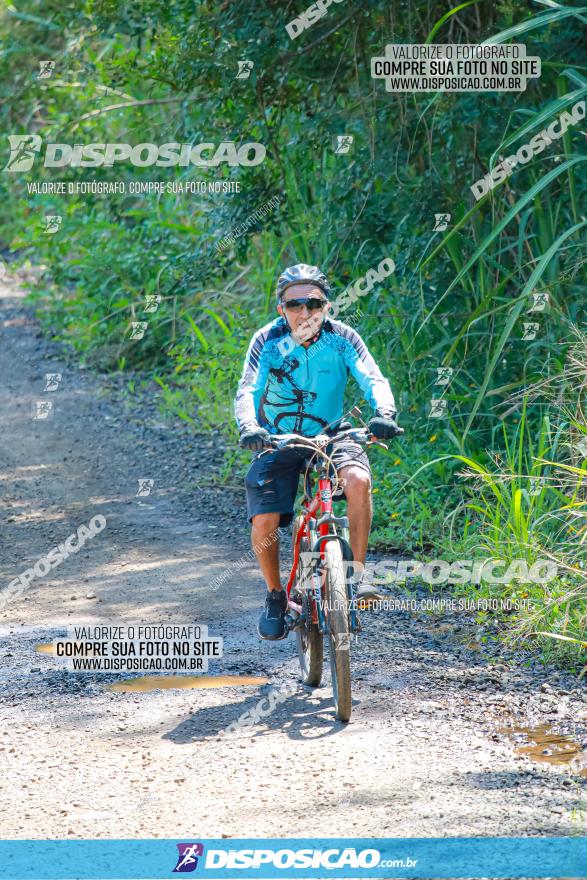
(548, 746)
(169, 682)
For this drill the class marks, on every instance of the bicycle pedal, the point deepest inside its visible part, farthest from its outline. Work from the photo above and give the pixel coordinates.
(294, 624)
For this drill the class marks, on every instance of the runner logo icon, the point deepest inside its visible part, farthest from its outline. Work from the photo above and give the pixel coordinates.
(23, 149)
(187, 860)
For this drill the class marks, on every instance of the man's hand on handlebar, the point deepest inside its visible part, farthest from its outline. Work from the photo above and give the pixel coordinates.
(380, 427)
(255, 440)
(384, 428)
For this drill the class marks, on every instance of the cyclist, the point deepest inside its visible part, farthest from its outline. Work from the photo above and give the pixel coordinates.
(293, 381)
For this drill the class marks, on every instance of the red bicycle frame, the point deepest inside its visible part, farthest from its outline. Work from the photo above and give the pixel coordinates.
(321, 503)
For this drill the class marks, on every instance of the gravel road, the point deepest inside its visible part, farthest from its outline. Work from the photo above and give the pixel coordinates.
(440, 721)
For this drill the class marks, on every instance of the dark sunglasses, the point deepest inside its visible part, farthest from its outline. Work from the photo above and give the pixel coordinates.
(312, 302)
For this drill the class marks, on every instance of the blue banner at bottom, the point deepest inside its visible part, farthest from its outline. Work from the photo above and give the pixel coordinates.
(453, 857)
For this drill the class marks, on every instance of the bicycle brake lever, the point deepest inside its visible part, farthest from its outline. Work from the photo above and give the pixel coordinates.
(378, 443)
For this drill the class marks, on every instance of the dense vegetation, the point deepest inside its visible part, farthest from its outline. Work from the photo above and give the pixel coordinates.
(502, 473)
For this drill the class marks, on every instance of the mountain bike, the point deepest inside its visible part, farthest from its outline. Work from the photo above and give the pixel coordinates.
(320, 589)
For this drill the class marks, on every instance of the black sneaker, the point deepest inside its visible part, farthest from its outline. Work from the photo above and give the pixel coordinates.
(272, 625)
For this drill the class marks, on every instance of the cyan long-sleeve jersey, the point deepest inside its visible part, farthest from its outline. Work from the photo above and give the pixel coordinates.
(287, 388)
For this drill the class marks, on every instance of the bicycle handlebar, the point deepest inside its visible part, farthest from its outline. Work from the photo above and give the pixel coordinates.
(320, 441)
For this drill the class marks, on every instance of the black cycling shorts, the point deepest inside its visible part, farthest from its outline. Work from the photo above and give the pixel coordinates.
(272, 479)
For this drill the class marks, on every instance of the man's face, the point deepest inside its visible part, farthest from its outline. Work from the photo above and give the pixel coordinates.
(304, 322)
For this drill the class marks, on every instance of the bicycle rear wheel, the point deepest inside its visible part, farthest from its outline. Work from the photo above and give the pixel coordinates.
(309, 639)
(336, 602)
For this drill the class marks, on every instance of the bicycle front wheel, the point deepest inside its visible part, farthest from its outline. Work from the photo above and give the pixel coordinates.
(337, 610)
(310, 640)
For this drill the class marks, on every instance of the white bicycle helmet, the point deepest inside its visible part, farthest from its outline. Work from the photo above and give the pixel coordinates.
(301, 273)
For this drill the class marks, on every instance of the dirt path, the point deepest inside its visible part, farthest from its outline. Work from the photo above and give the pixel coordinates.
(423, 755)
